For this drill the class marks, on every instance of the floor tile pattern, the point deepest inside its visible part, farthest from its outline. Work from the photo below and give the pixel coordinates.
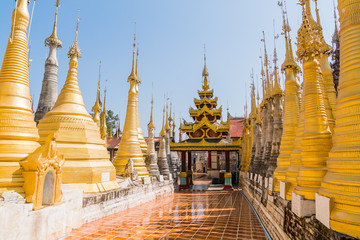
(190, 215)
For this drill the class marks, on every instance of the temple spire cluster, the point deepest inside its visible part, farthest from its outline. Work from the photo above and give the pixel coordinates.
(315, 157)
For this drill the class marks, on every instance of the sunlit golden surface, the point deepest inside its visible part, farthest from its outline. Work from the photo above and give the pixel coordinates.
(197, 215)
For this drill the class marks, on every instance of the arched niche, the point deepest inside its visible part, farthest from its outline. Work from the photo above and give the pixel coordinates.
(43, 175)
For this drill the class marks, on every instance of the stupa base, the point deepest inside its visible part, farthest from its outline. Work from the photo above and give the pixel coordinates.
(92, 187)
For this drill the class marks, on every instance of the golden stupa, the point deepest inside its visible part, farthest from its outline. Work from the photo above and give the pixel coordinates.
(87, 164)
(130, 145)
(18, 132)
(342, 181)
(291, 109)
(316, 141)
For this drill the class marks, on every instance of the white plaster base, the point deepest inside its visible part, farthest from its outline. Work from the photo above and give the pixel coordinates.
(161, 178)
(323, 208)
(99, 205)
(19, 222)
(267, 183)
(260, 181)
(147, 180)
(284, 186)
(302, 207)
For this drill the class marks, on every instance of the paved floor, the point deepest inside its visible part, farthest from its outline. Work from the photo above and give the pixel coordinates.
(185, 215)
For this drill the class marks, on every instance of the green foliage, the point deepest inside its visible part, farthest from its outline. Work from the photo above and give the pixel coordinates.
(114, 119)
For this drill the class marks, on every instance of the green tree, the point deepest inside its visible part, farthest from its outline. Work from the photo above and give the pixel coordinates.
(114, 119)
(111, 118)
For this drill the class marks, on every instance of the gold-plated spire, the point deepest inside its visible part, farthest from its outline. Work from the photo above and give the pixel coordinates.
(18, 132)
(97, 108)
(316, 142)
(205, 74)
(289, 61)
(263, 82)
(151, 124)
(131, 143)
(103, 115)
(170, 115)
(325, 48)
(308, 42)
(167, 125)
(137, 61)
(53, 39)
(253, 97)
(74, 49)
(266, 64)
(86, 158)
(290, 115)
(70, 99)
(328, 80)
(133, 76)
(163, 132)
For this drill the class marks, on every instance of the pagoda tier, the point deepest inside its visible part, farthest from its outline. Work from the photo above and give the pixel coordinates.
(206, 115)
(209, 102)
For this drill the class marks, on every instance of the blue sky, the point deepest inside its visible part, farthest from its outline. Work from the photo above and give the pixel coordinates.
(171, 35)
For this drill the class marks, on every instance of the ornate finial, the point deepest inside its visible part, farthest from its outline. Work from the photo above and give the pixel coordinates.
(266, 64)
(151, 124)
(104, 100)
(289, 61)
(205, 73)
(277, 89)
(170, 113)
(103, 115)
(137, 61)
(97, 106)
(325, 48)
(133, 76)
(276, 36)
(317, 12)
(162, 132)
(309, 44)
(53, 39)
(262, 75)
(167, 125)
(75, 50)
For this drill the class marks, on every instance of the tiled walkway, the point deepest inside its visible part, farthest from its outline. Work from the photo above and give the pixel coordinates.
(190, 215)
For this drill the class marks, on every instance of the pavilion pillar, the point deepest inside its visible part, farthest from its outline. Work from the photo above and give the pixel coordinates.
(228, 175)
(183, 174)
(209, 160)
(189, 171)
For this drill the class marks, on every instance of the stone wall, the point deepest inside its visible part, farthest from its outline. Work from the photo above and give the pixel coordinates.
(19, 222)
(278, 219)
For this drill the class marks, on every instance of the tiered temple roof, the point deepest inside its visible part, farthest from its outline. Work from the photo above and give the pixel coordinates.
(206, 115)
